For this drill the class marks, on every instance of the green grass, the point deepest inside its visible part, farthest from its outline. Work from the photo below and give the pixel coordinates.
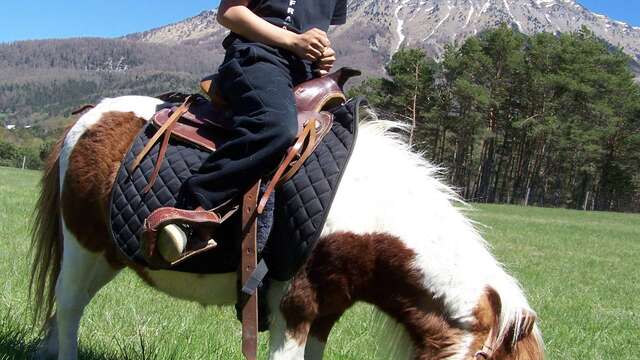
(580, 272)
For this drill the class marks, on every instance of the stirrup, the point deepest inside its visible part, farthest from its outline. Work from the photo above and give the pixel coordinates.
(171, 235)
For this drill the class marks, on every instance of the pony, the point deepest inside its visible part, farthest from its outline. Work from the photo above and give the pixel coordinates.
(395, 237)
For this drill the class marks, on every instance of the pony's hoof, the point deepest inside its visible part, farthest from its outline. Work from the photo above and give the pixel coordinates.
(172, 241)
(42, 355)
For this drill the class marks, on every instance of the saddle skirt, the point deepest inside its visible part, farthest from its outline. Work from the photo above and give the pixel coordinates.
(193, 137)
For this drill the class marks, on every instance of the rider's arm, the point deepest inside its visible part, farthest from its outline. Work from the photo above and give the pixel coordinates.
(237, 17)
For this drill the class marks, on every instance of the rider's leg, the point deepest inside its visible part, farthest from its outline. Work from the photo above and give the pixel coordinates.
(258, 84)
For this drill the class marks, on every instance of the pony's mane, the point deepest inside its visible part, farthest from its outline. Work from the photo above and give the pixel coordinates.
(392, 136)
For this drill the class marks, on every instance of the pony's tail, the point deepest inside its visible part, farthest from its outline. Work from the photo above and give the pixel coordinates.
(46, 240)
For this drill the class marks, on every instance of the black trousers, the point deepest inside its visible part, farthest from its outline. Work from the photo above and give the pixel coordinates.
(257, 81)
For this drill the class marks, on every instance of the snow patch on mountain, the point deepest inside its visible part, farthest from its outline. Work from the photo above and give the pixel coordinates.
(376, 29)
(400, 25)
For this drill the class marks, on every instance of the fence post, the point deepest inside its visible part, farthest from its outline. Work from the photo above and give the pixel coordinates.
(586, 201)
(24, 161)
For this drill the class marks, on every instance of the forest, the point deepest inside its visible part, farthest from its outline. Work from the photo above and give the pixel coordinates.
(546, 120)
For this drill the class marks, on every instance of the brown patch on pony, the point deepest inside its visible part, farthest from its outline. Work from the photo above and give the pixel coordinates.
(376, 268)
(93, 166)
(487, 314)
(46, 239)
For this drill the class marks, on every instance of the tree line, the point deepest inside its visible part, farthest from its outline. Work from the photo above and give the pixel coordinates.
(547, 120)
(26, 148)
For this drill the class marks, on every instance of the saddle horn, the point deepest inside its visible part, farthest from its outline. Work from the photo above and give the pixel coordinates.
(343, 75)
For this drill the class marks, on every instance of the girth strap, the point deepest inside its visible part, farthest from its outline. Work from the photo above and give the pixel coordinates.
(249, 265)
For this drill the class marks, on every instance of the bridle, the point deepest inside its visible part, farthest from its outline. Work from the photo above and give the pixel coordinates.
(489, 347)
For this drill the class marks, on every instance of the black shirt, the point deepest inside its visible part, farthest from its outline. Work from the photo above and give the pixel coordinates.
(301, 15)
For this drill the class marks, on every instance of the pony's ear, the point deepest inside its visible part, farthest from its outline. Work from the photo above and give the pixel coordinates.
(520, 327)
(518, 340)
(522, 343)
(525, 321)
(496, 304)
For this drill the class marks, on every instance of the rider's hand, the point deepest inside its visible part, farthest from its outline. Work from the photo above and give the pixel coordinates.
(326, 61)
(310, 45)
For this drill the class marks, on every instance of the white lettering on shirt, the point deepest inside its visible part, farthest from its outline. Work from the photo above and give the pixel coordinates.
(291, 10)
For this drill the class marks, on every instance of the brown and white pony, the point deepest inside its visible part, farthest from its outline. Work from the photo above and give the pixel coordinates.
(394, 238)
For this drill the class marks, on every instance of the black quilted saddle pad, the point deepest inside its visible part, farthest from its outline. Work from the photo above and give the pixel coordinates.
(287, 231)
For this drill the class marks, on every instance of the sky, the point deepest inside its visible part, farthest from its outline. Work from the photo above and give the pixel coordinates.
(44, 19)
(40, 19)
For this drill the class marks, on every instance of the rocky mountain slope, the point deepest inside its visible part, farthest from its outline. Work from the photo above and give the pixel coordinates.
(378, 28)
(45, 79)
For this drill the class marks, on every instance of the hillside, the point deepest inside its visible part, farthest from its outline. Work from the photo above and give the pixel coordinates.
(42, 80)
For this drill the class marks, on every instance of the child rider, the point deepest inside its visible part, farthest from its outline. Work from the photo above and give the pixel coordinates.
(273, 46)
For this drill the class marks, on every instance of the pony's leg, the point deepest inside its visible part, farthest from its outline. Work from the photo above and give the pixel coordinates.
(284, 344)
(317, 342)
(48, 347)
(82, 275)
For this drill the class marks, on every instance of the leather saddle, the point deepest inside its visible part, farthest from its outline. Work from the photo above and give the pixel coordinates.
(205, 124)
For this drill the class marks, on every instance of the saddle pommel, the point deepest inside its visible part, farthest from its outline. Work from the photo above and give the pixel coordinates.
(325, 92)
(343, 75)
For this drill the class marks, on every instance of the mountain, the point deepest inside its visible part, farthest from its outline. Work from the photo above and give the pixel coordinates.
(378, 28)
(41, 81)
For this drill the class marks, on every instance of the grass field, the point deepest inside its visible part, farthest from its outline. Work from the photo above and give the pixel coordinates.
(580, 271)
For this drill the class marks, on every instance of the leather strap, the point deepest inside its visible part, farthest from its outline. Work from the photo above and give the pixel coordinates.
(181, 110)
(161, 153)
(309, 129)
(308, 150)
(253, 283)
(489, 346)
(249, 265)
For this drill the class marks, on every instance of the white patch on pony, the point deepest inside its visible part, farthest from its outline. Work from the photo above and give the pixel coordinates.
(282, 346)
(210, 289)
(143, 106)
(82, 275)
(289, 349)
(388, 188)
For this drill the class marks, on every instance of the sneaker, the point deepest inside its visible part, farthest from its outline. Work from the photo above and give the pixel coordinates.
(172, 242)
